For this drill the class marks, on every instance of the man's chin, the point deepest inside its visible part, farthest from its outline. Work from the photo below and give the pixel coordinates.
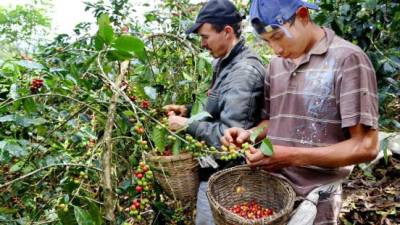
(213, 54)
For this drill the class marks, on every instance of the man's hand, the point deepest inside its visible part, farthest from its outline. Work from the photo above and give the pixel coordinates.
(177, 122)
(282, 157)
(254, 156)
(235, 135)
(179, 110)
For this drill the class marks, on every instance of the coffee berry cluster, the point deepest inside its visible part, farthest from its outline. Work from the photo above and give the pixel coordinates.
(232, 152)
(36, 84)
(251, 210)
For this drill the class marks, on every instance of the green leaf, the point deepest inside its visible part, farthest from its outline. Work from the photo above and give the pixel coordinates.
(257, 132)
(199, 116)
(129, 43)
(7, 118)
(198, 104)
(159, 137)
(187, 77)
(66, 218)
(4, 155)
(13, 148)
(98, 43)
(14, 91)
(94, 211)
(26, 122)
(106, 32)
(29, 105)
(370, 4)
(176, 148)
(128, 113)
(16, 167)
(4, 210)
(83, 217)
(88, 132)
(41, 130)
(151, 92)
(30, 64)
(266, 147)
(119, 55)
(383, 146)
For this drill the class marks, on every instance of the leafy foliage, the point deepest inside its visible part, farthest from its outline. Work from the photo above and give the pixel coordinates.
(54, 104)
(53, 115)
(372, 25)
(21, 27)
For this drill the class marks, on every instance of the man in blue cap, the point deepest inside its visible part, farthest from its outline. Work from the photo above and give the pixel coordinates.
(321, 104)
(235, 98)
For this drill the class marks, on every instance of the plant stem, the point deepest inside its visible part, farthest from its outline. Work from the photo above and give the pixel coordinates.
(109, 199)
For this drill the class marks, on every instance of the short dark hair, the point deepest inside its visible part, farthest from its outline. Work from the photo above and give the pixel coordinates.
(292, 19)
(237, 28)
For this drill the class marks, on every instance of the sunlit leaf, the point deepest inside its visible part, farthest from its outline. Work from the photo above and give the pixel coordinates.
(266, 147)
(26, 121)
(30, 64)
(257, 132)
(106, 32)
(176, 148)
(14, 91)
(131, 44)
(7, 118)
(13, 148)
(159, 137)
(151, 92)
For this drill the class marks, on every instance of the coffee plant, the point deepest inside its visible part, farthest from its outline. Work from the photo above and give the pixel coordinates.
(81, 114)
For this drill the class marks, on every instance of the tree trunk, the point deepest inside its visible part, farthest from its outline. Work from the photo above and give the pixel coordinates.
(108, 166)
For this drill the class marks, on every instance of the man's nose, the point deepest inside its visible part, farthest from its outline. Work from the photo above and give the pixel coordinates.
(203, 43)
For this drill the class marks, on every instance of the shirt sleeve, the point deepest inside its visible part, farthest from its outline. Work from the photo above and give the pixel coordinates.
(239, 100)
(267, 86)
(357, 91)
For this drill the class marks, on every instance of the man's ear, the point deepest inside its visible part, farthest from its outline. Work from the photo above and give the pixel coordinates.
(229, 30)
(303, 15)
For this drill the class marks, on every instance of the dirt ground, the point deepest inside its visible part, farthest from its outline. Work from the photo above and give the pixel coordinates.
(372, 196)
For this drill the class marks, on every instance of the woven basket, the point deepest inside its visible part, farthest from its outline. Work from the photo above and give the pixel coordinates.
(178, 175)
(269, 191)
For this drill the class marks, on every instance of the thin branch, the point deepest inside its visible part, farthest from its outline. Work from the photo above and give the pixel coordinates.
(50, 94)
(180, 39)
(46, 167)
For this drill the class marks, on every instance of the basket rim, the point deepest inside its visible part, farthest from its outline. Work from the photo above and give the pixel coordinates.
(171, 158)
(224, 211)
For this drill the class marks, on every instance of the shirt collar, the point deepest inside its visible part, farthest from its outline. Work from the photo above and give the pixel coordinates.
(321, 47)
(233, 52)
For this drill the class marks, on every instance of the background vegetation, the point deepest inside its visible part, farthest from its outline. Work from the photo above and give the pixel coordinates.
(69, 107)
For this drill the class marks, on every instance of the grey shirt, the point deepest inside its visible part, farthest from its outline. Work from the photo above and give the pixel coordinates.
(236, 95)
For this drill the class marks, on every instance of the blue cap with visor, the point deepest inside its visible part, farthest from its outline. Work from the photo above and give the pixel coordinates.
(266, 15)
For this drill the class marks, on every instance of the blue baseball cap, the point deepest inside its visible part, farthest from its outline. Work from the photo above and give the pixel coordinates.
(216, 12)
(274, 13)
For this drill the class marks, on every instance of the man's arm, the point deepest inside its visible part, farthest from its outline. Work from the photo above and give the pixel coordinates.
(361, 147)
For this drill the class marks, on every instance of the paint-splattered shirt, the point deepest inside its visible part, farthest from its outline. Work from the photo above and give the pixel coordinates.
(313, 104)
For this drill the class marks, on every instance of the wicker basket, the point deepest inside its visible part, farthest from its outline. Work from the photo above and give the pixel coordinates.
(178, 175)
(267, 190)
